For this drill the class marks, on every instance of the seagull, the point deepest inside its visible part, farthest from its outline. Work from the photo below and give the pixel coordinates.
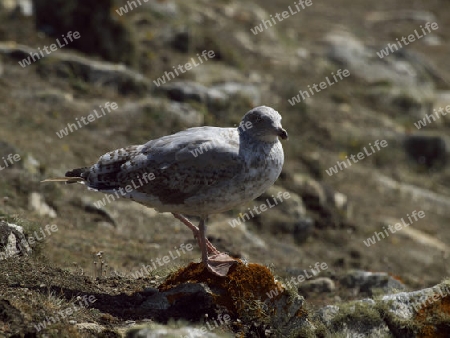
(197, 172)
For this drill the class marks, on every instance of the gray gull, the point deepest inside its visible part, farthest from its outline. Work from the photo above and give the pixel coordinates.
(198, 172)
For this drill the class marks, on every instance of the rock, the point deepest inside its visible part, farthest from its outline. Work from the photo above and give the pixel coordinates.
(328, 207)
(413, 101)
(400, 83)
(422, 239)
(67, 65)
(100, 31)
(157, 331)
(235, 90)
(53, 96)
(429, 151)
(442, 101)
(188, 301)
(5, 150)
(17, 7)
(359, 319)
(31, 165)
(397, 69)
(185, 91)
(95, 330)
(365, 281)
(10, 315)
(99, 73)
(210, 74)
(397, 15)
(284, 213)
(428, 199)
(418, 313)
(176, 111)
(215, 97)
(321, 284)
(249, 293)
(165, 8)
(406, 314)
(12, 241)
(37, 203)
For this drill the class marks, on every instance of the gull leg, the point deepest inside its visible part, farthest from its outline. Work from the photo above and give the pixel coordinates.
(202, 237)
(219, 264)
(195, 230)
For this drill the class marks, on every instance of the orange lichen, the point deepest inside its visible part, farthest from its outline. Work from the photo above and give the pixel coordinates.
(434, 318)
(301, 313)
(243, 290)
(398, 278)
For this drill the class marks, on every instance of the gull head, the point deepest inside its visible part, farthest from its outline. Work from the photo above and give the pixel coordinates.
(262, 124)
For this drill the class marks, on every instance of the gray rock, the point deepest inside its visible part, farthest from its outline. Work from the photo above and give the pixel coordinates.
(359, 319)
(401, 82)
(217, 96)
(286, 316)
(327, 207)
(366, 281)
(53, 96)
(428, 199)
(172, 110)
(117, 76)
(211, 74)
(67, 65)
(92, 328)
(166, 8)
(240, 90)
(404, 314)
(321, 284)
(37, 203)
(363, 62)
(185, 91)
(158, 331)
(285, 213)
(413, 101)
(16, 7)
(405, 305)
(12, 241)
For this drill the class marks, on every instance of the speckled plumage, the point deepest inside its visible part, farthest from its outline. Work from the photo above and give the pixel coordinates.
(236, 166)
(199, 171)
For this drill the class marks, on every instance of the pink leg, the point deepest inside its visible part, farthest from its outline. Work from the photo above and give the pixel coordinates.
(195, 230)
(218, 263)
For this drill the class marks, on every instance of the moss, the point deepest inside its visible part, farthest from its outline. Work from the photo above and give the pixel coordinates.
(364, 314)
(245, 288)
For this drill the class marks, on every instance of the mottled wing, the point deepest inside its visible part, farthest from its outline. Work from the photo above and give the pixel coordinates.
(182, 164)
(105, 174)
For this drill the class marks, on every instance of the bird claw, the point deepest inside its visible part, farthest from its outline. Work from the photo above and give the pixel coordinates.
(220, 264)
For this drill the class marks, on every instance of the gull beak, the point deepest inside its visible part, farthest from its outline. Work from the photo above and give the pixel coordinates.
(282, 133)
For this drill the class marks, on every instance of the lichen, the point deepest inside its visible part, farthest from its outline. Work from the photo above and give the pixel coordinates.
(243, 292)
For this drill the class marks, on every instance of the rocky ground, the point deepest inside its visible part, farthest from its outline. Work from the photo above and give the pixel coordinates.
(71, 269)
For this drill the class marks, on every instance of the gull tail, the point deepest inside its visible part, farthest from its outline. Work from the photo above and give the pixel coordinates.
(72, 176)
(64, 179)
